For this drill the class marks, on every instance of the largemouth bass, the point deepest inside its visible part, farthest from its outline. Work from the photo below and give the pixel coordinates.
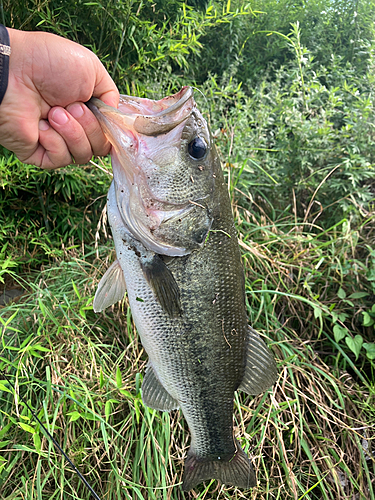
(178, 257)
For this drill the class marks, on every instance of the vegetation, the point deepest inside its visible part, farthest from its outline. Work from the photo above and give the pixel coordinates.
(289, 94)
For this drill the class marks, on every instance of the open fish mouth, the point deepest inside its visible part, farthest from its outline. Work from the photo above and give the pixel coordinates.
(158, 117)
(145, 116)
(148, 148)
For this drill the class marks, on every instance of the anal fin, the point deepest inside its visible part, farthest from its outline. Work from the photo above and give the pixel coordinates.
(163, 285)
(153, 393)
(260, 370)
(111, 288)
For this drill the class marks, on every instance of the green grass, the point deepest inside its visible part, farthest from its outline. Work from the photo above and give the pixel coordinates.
(310, 437)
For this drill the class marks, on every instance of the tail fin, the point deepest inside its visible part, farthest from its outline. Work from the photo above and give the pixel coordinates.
(237, 471)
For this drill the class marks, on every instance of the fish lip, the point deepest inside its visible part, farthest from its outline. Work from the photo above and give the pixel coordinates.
(95, 105)
(167, 105)
(175, 101)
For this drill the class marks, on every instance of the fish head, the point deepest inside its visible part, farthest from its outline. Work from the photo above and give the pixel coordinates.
(164, 163)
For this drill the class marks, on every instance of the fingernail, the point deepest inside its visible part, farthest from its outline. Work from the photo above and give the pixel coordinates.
(59, 116)
(76, 110)
(43, 125)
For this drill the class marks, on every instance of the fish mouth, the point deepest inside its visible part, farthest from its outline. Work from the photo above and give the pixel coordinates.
(140, 120)
(145, 116)
(137, 117)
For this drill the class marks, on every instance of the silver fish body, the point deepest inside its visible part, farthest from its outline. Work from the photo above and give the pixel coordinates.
(185, 289)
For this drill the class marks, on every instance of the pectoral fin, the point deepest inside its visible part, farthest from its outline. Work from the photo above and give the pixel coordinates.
(163, 284)
(260, 370)
(153, 393)
(111, 288)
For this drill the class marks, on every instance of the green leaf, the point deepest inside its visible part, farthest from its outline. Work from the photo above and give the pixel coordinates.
(38, 347)
(370, 350)
(82, 312)
(107, 410)
(4, 430)
(118, 378)
(76, 290)
(354, 344)
(4, 388)
(37, 442)
(349, 302)
(9, 320)
(90, 416)
(22, 447)
(137, 410)
(358, 295)
(317, 312)
(127, 394)
(367, 320)
(27, 427)
(334, 316)
(74, 415)
(339, 332)
(341, 293)
(101, 378)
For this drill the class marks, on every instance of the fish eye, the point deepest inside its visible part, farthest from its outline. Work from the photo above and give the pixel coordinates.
(197, 148)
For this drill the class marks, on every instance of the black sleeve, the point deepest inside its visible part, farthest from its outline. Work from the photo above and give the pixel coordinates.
(4, 60)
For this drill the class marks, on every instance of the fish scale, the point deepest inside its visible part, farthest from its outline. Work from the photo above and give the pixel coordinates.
(184, 279)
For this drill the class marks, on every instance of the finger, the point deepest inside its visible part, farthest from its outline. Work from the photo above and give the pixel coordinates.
(72, 133)
(52, 151)
(111, 97)
(99, 143)
(105, 88)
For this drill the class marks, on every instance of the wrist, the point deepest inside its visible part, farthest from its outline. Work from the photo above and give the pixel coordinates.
(4, 60)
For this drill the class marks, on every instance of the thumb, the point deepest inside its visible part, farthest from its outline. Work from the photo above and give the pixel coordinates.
(105, 88)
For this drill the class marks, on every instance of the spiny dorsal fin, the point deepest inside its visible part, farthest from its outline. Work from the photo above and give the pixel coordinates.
(163, 284)
(153, 393)
(111, 288)
(260, 371)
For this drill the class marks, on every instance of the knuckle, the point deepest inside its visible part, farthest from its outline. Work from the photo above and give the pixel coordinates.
(83, 158)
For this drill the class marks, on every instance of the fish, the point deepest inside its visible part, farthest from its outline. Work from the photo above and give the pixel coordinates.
(178, 258)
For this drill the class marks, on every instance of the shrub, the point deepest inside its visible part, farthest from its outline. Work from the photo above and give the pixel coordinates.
(303, 131)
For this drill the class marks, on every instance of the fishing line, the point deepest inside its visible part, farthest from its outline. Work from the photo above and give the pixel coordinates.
(47, 433)
(206, 100)
(204, 96)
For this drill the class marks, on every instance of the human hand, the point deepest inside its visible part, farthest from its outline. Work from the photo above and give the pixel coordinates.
(48, 73)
